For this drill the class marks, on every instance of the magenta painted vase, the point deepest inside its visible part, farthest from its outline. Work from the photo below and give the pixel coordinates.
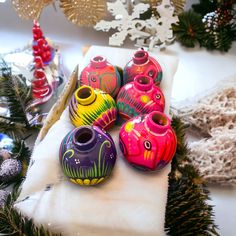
(142, 63)
(90, 106)
(148, 141)
(102, 75)
(140, 97)
(87, 155)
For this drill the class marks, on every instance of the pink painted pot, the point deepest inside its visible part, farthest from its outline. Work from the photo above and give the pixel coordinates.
(142, 63)
(140, 97)
(148, 142)
(102, 75)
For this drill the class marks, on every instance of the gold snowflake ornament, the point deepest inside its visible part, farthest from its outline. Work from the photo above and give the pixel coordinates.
(84, 12)
(30, 9)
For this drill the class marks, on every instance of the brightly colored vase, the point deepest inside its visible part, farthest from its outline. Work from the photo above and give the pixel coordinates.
(90, 106)
(102, 75)
(140, 97)
(148, 141)
(87, 155)
(142, 63)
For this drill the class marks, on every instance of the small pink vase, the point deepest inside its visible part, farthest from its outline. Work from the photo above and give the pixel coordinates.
(148, 142)
(102, 75)
(142, 63)
(140, 97)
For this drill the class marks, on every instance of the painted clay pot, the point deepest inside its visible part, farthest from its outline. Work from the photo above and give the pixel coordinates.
(102, 75)
(90, 106)
(142, 63)
(87, 155)
(140, 97)
(148, 141)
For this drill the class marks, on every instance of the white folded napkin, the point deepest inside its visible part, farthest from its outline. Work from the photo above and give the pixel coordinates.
(130, 202)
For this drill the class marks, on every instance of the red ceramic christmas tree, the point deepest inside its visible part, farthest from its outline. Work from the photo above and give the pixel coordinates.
(42, 56)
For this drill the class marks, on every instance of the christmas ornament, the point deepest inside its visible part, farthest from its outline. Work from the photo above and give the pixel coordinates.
(4, 155)
(140, 97)
(90, 106)
(10, 169)
(142, 63)
(43, 55)
(101, 74)
(41, 88)
(127, 25)
(220, 28)
(87, 155)
(3, 197)
(30, 10)
(148, 142)
(84, 12)
(6, 142)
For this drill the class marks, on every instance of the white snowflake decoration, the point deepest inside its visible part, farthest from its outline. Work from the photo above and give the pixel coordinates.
(125, 24)
(152, 32)
(161, 28)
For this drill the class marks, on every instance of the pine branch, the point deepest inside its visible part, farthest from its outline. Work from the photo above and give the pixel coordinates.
(189, 30)
(187, 211)
(205, 6)
(14, 223)
(15, 98)
(12, 129)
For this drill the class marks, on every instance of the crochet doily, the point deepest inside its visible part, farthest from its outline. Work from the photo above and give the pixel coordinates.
(214, 116)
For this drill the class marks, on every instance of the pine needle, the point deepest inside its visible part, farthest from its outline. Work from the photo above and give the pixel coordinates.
(187, 210)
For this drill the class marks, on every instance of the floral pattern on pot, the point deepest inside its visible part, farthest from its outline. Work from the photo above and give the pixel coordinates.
(90, 106)
(140, 97)
(87, 155)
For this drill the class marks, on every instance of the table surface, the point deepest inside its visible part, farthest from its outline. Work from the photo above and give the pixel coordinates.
(198, 71)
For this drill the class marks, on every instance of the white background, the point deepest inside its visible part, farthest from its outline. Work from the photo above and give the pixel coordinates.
(198, 70)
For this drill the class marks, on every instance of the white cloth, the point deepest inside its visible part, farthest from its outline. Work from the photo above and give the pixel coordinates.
(129, 203)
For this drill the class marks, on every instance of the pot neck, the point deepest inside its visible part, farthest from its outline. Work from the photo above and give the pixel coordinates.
(140, 57)
(84, 138)
(85, 95)
(157, 122)
(98, 62)
(143, 82)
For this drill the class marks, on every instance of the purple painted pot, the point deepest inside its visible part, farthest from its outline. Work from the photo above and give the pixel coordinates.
(87, 155)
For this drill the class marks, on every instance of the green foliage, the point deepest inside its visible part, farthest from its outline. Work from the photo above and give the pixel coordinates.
(190, 30)
(15, 95)
(15, 224)
(205, 6)
(187, 210)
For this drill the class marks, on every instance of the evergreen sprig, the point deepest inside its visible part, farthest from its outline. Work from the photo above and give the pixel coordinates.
(15, 224)
(205, 6)
(190, 30)
(187, 210)
(15, 94)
